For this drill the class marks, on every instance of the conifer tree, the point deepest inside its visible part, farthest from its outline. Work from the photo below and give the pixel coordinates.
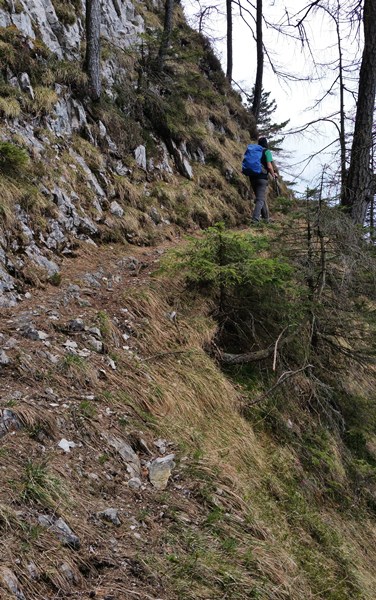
(166, 35)
(265, 123)
(93, 47)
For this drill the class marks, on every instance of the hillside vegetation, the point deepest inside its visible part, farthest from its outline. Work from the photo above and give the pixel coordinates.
(180, 417)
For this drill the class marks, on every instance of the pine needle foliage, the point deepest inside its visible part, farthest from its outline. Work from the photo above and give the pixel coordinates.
(250, 291)
(12, 158)
(227, 259)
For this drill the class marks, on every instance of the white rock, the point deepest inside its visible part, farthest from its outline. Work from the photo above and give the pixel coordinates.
(140, 156)
(8, 578)
(128, 455)
(160, 471)
(26, 85)
(4, 358)
(66, 445)
(116, 209)
(134, 483)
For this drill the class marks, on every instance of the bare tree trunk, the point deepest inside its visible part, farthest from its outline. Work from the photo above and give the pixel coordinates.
(342, 135)
(359, 180)
(166, 36)
(93, 47)
(260, 63)
(229, 40)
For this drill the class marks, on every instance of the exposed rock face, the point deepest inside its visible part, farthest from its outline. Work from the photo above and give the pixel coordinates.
(120, 24)
(77, 211)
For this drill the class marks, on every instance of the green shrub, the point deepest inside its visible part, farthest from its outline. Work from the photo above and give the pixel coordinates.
(228, 259)
(250, 292)
(12, 158)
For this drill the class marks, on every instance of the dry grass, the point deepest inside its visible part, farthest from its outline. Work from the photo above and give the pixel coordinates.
(127, 192)
(10, 194)
(235, 521)
(91, 154)
(10, 107)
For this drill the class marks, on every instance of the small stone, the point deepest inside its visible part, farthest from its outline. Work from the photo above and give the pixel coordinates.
(4, 358)
(53, 358)
(95, 331)
(134, 483)
(111, 363)
(76, 325)
(115, 209)
(9, 421)
(66, 570)
(70, 345)
(155, 216)
(160, 471)
(33, 570)
(97, 345)
(66, 445)
(140, 156)
(127, 454)
(8, 578)
(110, 514)
(25, 85)
(102, 130)
(161, 445)
(62, 531)
(33, 334)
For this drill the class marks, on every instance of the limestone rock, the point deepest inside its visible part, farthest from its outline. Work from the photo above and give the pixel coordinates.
(76, 325)
(127, 454)
(160, 471)
(111, 515)
(95, 331)
(134, 483)
(67, 572)
(4, 359)
(34, 334)
(10, 581)
(116, 209)
(97, 345)
(25, 85)
(9, 421)
(182, 162)
(62, 531)
(140, 156)
(155, 216)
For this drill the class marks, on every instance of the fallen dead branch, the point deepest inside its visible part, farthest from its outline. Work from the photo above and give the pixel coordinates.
(286, 375)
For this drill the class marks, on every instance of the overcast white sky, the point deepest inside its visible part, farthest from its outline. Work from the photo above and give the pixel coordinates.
(295, 100)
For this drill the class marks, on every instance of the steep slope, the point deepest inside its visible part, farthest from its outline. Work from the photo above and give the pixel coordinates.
(159, 151)
(141, 455)
(249, 500)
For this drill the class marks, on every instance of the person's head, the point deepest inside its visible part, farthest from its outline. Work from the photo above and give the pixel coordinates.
(262, 141)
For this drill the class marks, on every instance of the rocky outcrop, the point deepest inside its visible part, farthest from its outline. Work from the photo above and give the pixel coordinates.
(120, 24)
(31, 251)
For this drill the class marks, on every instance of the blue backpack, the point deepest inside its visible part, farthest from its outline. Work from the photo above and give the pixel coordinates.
(252, 164)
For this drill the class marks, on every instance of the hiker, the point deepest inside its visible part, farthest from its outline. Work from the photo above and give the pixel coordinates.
(257, 164)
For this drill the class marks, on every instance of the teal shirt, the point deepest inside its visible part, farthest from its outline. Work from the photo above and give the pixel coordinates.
(268, 156)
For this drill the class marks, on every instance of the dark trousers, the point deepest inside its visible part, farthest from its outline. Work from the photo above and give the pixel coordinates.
(259, 186)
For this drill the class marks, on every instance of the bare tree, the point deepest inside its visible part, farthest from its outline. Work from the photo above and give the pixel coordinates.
(93, 47)
(229, 40)
(359, 183)
(166, 35)
(260, 62)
